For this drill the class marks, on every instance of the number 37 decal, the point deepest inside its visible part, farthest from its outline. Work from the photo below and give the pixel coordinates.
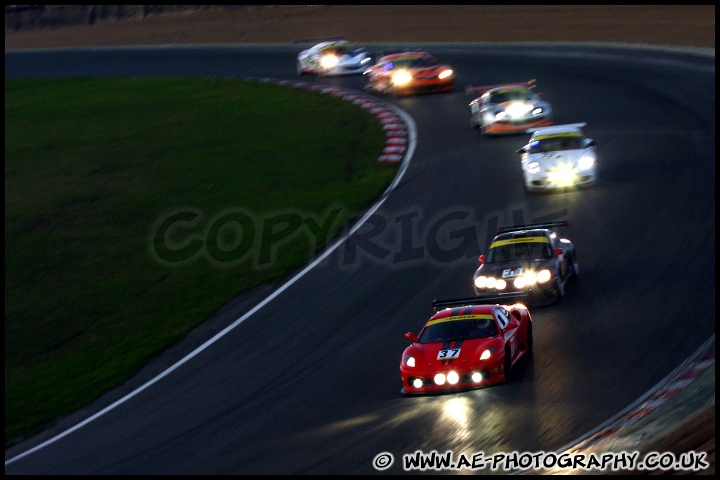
(448, 354)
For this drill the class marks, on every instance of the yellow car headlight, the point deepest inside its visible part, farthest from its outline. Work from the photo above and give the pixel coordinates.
(562, 175)
(586, 162)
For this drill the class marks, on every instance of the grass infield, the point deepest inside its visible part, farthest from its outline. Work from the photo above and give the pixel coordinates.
(135, 208)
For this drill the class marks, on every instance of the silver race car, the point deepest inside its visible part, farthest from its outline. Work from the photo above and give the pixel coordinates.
(333, 58)
(558, 157)
(508, 108)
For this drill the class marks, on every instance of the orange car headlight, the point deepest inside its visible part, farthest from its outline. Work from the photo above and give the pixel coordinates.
(445, 74)
(401, 77)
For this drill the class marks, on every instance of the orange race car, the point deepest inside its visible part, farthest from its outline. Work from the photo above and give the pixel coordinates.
(409, 73)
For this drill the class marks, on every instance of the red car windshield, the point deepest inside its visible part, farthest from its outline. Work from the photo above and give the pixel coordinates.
(459, 330)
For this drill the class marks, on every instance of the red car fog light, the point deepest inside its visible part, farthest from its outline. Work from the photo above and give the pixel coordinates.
(439, 379)
(477, 377)
(417, 383)
(453, 378)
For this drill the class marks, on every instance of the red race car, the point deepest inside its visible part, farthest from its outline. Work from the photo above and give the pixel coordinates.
(466, 347)
(408, 73)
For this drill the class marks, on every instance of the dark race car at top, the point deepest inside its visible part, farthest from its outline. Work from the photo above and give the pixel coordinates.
(333, 57)
(465, 347)
(529, 260)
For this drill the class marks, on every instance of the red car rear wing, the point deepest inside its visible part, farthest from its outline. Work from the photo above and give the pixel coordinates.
(499, 300)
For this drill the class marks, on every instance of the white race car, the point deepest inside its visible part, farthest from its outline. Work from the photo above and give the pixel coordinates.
(558, 157)
(332, 58)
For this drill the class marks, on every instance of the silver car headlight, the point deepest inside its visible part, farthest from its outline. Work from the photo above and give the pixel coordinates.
(329, 61)
(501, 115)
(537, 111)
(518, 109)
(533, 167)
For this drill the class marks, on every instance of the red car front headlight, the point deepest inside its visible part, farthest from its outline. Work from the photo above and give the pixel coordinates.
(487, 353)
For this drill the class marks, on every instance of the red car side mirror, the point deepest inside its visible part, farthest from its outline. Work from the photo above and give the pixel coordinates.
(558, 251)
(411, 336)
(482, 258)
